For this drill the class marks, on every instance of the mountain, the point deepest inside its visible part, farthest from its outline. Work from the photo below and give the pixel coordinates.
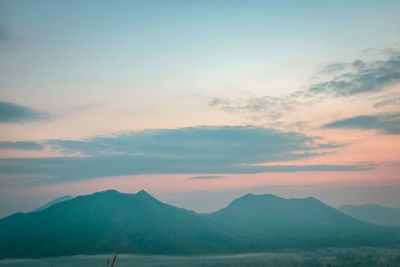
(373, 213)
(109, 221)
(54, 201)
(105, 222)
(275, 221)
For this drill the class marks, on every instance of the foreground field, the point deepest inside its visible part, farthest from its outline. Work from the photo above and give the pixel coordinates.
(366, 256)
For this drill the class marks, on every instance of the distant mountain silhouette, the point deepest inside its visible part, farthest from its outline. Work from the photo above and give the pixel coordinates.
(373, 213)
(268, 212)
(54, 201)
(110, 221)
(276, 221)
(104, 222)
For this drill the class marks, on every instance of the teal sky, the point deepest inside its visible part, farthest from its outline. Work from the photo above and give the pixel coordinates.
(66, 51)
(247, 95)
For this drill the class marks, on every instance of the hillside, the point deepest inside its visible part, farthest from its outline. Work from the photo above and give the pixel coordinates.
(373, 213)
(110, 221)
(54, 201)
(104, 222)
(275, 222)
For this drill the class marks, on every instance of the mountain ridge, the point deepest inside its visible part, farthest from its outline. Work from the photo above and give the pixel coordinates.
(373, 213)
(91, 224)
(52, 202)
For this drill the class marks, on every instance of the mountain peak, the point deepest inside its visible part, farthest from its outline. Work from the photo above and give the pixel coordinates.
(250, 199)
(259, 196)
(311, 199)
(142, 193)
(109, 192)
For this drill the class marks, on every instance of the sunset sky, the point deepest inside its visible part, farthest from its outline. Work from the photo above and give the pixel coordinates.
(198, 102)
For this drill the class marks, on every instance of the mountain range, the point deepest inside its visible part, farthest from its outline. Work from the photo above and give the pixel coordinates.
(54, 201)
(373, 213)
(109, 221)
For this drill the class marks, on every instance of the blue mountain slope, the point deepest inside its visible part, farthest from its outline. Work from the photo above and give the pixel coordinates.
(104, 222)
(275, 221)
(109, 221)
(373, 213)
(54, 201)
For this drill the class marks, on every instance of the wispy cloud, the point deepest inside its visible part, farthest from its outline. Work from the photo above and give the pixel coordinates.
(205, 177)
(198, 150)
(392, 100)
(361, 77)
(22, 145)
(386, 123)
(269, 107)
(13, 113)
(344, 80)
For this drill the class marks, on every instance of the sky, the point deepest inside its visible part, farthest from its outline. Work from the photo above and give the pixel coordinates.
(198, 102)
